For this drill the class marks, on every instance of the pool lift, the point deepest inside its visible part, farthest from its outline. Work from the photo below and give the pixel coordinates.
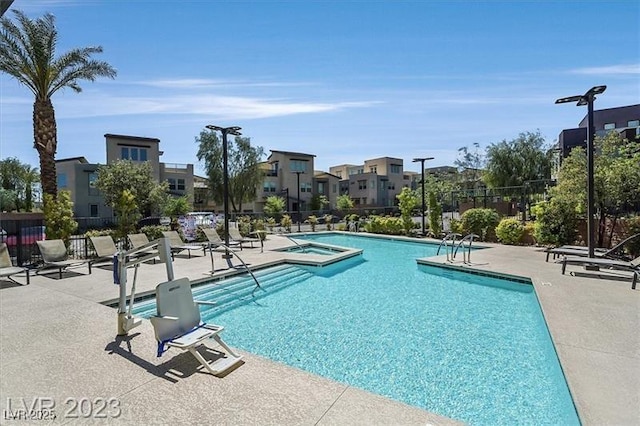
(133, 258)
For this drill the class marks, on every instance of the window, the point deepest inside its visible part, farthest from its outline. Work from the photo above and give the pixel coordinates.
(305, 187)
(269, 187)
(298, 166)
(364, 200)
(356, 201)
(339, 174)
(360, 171)
(334, 188)
(373, 169)
(62, 180)
(93, 210)
(362, 184)
(320, 187)
(172, 184)
(373, 183)
(396, 168)
(180, 184)
(609, 126)
(633, 123)
(133, 153)
(92, 177)
(392, 185)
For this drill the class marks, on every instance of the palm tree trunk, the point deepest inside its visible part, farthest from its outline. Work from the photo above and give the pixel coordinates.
(45, 142)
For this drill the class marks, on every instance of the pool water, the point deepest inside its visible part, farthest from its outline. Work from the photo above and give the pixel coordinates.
(469, 347)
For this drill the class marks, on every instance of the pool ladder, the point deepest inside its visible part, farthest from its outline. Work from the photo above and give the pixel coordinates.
(452, 249)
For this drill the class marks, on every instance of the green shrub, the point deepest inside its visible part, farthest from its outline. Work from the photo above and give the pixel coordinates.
(481, 222)
(385, 225)
(633, 227)
(271, 223)
(58, 217)
(556, 222)
(456, 225)
(510, 231)
(313, 221)
(327, 220)
(435, 215)
(286, 222)
(153, 232)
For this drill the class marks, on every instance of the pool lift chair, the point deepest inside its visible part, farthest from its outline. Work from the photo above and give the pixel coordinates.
(177, 323)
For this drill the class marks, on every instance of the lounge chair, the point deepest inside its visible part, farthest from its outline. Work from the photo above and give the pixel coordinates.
(235, 235)
(54, 255)
(105, 249)
(6, 267)
(214, 240)
(138, 240)
(177, 245)
(178, 325)
(622, 265)
(612, 253)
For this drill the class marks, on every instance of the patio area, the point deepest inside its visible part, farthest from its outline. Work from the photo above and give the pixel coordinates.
(58, 343)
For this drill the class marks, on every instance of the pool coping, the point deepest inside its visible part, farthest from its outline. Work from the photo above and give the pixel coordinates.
(593, 323)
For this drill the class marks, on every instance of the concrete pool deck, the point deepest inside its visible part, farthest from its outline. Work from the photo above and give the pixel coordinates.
(58, 343)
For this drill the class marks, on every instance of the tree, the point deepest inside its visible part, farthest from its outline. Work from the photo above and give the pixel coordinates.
(469, 164)
(318, 202)
(58, 217)
(343, 202)
(27, 53)
(616, 179)
(245, 174)
(407, 202)
(514, 162)
(16, 179)
(113, 179)
(435, 215)
(274, 207)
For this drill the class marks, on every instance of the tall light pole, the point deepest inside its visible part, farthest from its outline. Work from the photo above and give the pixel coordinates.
(298, 173)
(587, 99)
(421, 161)
(235, 131)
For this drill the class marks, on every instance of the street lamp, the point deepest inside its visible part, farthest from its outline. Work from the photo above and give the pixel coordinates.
(587, 99)
(235, 131)
(421, 161)
(298, 172)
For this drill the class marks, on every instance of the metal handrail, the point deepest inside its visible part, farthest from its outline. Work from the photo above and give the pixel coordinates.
(304, 250)
(469, 238)
(451, 236)
(243, 263)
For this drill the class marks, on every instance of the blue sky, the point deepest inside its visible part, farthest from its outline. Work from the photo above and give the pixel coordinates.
(344, 80)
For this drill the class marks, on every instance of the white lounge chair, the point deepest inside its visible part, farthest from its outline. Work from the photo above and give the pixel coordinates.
(177, 245)
(6, 267)
(105, 249)
(235, 235)
(54, 255)
(622, 265)
(178, 325)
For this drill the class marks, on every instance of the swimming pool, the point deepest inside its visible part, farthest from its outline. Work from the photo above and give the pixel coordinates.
(465, 346)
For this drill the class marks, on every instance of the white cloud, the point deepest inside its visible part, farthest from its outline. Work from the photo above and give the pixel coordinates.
(210, 105)
(609, 70)
(198, 83)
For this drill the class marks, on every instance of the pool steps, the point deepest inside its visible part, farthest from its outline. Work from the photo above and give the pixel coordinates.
(236, 291)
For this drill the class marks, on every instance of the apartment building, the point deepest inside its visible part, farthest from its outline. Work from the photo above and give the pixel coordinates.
(78, 176)
(287, 174)
(624, 120)
(376, 183)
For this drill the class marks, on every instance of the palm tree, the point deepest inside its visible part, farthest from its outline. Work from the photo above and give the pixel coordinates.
(27, 53)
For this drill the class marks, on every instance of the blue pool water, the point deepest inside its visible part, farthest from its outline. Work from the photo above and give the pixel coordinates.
(465, 346)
